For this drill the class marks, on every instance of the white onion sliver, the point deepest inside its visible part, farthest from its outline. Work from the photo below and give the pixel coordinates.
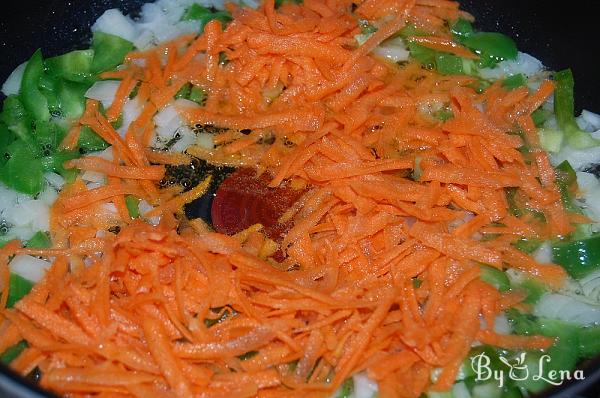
(103, 91)
(12, 85)
(115, 23)
(29, 267)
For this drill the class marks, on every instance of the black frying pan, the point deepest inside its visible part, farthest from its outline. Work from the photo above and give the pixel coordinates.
(560, 37)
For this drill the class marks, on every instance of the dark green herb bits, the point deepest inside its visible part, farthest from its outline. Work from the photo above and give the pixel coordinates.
(492, 47)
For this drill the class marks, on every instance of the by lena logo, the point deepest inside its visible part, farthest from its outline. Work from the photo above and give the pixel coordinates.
(517, 369)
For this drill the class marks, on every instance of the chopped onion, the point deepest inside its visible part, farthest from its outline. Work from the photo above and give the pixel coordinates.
(12, 85)
(525, 64)
(593, 119)
(205, 140)
(31, 268)
(364, 387)
(93, 176)
(394, 50)
(543, 254)
(131, 111)
(187, 139)
(115, 23)
(589, 189)
(103, 91)
(568, 309)
(55, 180)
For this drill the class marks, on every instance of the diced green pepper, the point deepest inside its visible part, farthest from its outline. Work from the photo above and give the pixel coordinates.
(48, 136)
(39, 241)
(132, 206)
(109, 51)
(196, 12)
(17, 121)
(579, 257)
(90, 141)
(11, 353)
(55, 162)
(492, 47)
(22, 172)
(514, 81)
(535, 290)
(540, 115)
(448, 64)
(33, 100)
(564, 109)
(197, 95)
(424, 55)
(347, 389)
(495, 277)
(71, 97)
(589, 341)
(48, 89)
(566, 180)
(74, 66)
(18, 288)
(6, 138)
(527, 245)
(461, 29)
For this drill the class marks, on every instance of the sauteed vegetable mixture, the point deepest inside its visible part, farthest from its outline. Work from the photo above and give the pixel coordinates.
(394, 203)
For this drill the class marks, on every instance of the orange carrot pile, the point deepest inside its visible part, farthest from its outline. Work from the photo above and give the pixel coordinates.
(180, 311)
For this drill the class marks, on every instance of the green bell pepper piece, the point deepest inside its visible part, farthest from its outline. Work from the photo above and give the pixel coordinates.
(196, 12)
(589, 341)
(424, 55)
(34, 101)
(197, 95)
(566, 179)
(18, 288)
(47, 87)
(6, 138)
(448, 64)
(579, 257)
(461, 29)
(564, 109)
(12, 352)
(39, 240)
(347, 389)
(527, 245)
(22, 172)
(514, 81)
(17, 120)
(132, 204)
(109, 51)
(492, 47)
(55, 163)
(540, 115)
(48, 136)
(74, 66)
(90, 141)
(71, 97)
(495, 277)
